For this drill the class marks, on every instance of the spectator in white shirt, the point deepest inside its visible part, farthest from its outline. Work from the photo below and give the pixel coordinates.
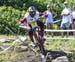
(73, 19)
(66, 17)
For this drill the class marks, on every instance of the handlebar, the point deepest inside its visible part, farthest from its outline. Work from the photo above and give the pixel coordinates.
(36, 28)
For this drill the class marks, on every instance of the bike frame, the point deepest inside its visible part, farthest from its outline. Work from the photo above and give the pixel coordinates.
(40, 41)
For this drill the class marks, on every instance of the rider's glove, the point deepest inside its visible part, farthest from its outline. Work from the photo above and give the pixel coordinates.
(28, 27)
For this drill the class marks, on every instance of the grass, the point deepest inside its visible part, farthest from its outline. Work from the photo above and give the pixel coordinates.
(49, 44)
(60, 45)
(10, 55)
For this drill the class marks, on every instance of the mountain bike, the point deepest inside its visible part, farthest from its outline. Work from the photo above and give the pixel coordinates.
(40, 41)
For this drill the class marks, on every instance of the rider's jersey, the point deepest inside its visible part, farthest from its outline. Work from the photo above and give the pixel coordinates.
(27, 18)
(30, 19)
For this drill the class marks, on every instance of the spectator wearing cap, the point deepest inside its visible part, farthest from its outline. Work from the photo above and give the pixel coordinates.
(66, 18)
(49, 15)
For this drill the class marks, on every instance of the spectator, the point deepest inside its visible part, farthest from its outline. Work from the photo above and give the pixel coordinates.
(49, 15)
(73, 19)
(66, 18)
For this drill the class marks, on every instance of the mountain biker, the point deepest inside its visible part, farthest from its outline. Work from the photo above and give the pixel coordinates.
(30, 17)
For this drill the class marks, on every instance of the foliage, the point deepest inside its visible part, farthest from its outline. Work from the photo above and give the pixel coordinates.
(9, 17)
(12, 10)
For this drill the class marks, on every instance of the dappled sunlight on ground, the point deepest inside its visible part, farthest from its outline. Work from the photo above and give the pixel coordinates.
(18, 52)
